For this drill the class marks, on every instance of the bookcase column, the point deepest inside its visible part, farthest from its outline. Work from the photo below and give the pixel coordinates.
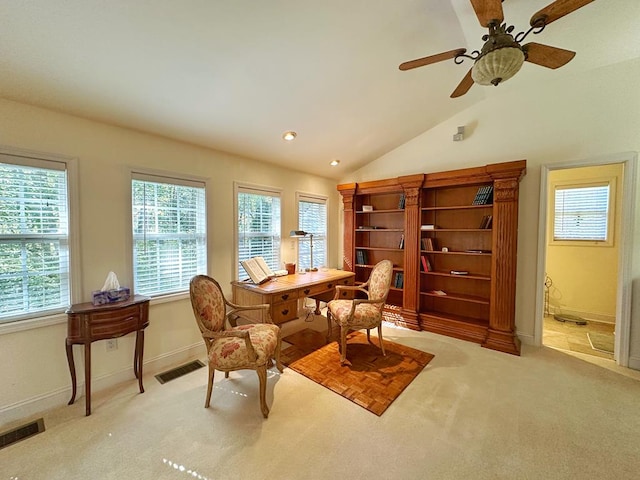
(501, 334)
(411, 186)
(348, 191)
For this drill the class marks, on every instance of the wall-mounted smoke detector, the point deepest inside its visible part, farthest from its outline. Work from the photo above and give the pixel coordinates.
(458, 137)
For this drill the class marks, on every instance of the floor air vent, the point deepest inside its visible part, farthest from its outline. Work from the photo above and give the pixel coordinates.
(179, 371)
(22, 432)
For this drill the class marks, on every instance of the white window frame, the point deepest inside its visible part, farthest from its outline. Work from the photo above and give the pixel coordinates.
(320, 238)
(238, 188)
(595, 182)
(52, 316)
(171, 179)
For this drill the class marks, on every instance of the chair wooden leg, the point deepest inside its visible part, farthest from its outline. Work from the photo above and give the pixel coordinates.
(262, 376)
(380, 339)
(277, 354)
(207, 400)
(343, 344)
(329, 325)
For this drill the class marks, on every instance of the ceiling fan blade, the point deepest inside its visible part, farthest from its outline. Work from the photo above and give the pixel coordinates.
(419, 62)
(556, 10)
(464, 86)
(488, 11)
(547, 56)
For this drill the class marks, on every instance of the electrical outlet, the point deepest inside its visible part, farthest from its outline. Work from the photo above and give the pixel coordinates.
(112, 344)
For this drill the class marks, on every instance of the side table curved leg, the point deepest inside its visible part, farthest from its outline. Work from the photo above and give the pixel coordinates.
(137, 366)
(72, 370)
(87, 376)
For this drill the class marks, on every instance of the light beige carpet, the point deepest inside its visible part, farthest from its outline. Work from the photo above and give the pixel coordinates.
(472, 413)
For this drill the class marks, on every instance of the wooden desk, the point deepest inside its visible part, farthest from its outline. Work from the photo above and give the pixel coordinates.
(87, 323)
(282, 293)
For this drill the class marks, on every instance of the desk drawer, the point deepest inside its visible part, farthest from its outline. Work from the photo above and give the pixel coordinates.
(284, 311)
(285, 297)
(114, 323)
(319, 288)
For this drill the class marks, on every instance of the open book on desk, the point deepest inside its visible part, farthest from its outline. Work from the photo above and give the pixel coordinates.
(259, 271)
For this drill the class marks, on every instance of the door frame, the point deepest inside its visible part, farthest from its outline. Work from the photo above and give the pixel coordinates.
(623, 290)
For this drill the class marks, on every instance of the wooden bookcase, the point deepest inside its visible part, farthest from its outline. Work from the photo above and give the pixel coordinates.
(377, 233)
(468, 289)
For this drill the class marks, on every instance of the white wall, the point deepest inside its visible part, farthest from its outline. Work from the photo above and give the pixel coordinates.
(34, 369)
(582, 117)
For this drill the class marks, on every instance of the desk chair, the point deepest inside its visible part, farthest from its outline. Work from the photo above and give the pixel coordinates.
(231, 348)
(362, 313)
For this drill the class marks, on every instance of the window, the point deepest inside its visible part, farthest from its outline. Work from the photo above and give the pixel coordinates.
(582, 213)
(34, 237)
(258, 225)
(312, 218)
(169, 233)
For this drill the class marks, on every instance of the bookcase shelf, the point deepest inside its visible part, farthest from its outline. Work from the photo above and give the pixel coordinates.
(472, 213)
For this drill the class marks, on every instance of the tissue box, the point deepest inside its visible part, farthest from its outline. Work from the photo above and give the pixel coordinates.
(102, 297)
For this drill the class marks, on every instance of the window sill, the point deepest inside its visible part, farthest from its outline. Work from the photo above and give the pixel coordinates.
(58, 318)
(32, 323)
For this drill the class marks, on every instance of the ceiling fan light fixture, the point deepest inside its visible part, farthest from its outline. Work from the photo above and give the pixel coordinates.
(289, 136)
(497, 66)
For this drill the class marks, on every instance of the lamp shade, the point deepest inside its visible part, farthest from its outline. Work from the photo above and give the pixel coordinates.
(497, 66)
(298, 233)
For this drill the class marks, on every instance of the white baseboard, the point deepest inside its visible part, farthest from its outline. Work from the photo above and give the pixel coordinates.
(591, 316)
(634, 363)
(526, 339)
(33, 407)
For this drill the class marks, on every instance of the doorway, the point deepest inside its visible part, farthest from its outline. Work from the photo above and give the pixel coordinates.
(584, 287)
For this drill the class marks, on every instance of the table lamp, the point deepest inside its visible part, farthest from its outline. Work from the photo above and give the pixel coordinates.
(302, 234)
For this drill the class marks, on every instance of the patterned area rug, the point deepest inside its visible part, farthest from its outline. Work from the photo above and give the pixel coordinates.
(372, 380)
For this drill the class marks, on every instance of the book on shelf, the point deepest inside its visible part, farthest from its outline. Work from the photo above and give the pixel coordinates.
(401, 202)
(486, 222)
(484, 195)
(361, 257)
(428, 226)
(259, 271)
(459, 272)
(399, 280)
(427, 244)
(426, 264)
(401, 245)
(438, 292)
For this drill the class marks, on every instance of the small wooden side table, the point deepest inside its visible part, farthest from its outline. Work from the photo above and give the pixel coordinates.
(87, 323)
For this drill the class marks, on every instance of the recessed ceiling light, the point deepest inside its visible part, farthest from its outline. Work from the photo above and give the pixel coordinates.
(334, 163)
(289, 136)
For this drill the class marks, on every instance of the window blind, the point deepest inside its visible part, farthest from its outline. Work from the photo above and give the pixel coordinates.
(581, 213)
(169, 233)
(34, 238)
(258, 227)
(312, 218)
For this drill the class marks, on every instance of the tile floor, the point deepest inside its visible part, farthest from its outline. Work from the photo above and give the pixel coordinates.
(572, 337)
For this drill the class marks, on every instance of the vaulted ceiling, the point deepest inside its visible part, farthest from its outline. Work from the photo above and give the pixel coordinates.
(233, 75)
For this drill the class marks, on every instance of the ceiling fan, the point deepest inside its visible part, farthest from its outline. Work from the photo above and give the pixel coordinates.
(503, 54)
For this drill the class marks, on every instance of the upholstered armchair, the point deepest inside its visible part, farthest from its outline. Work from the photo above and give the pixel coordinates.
(229, 348)
(361, 313)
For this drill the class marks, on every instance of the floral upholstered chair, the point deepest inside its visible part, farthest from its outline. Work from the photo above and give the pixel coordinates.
(253, 346)
(362, 313)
